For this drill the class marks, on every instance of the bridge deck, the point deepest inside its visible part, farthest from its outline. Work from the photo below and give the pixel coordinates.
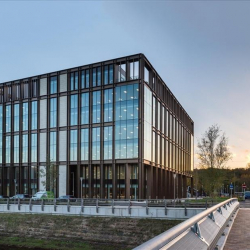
(239, 235)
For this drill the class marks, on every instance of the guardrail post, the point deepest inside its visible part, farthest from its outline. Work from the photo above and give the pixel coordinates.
(113, 208)
(18, 203)
(55, 205)
(42, 204)
(211, 216)
(185, 209)
(82, 208)
(219, 210)
(166, 211)
(147, 207)
(97, 205)
(196, 230)
(8, 204)
(30, 204)
(129, 207)
(68, 206)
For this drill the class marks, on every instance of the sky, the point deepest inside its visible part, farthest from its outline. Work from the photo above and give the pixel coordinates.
(201, 49)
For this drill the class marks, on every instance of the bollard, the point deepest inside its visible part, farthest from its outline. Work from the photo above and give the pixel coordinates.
(68, 206)
(42, 204)
(185, 209)
(147, 207)
(8, 204)
(55, 205)
(129, 207)
(18, 204)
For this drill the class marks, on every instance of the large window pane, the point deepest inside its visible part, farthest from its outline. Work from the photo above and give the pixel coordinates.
(25, 148)
(85, 108)
(108, 105)
(53, 85)
(73, 145)
(25, 116)
(53, 112)
(8, 118)
(16, 149)
(96, 143)
(96, 116)
(74, 81)
(121, 72)
(85, 79)
(84, 144)
(33, 147)
(16, 117)
(52, 146)
(73, 109)
(7, 149)
(34, 115)
(108, 142)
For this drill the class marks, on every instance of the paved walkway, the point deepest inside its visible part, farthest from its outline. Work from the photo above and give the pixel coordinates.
(239, 236)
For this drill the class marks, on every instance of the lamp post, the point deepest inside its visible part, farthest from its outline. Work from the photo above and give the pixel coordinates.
(81, 178)
(174, 188)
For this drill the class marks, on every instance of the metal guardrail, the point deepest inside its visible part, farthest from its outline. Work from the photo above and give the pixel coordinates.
(165, 238)
(166, 203)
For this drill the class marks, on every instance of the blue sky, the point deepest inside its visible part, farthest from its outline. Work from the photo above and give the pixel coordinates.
(200, 48)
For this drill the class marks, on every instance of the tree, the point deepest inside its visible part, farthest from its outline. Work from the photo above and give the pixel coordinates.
(213, 154)
(49, 175)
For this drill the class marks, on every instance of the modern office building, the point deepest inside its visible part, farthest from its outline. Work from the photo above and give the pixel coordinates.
(111, 129)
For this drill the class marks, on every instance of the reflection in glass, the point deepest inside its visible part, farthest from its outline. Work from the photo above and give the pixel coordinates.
(85, 108)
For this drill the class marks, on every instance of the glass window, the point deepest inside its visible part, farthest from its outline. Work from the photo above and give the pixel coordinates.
(7, 149)
(34, 115)
(108, 74)
(73, 109)
(99, 78)
(121, 185)
(33, 179)
(53, 85)
(74, 81)
(8, 118)
(96, 143)
(25, 116)
(16, 117)
(33, 147)
(108, 182)
(25, 148)
(52, 146)
(8, 93)
(96, 181)
(16, 149)
(84, 144)
(134, 70)
(85, 108)
(85, 182)
(1, 94)
(96, 107)
(53, 112)
(108, 105)
(85, 79)
(73, 145)
(25, 90)
(126, 129)
(108, 142)
(121, 72)
(146, 75)
(94, 77)
(34, 88)
(134, 190)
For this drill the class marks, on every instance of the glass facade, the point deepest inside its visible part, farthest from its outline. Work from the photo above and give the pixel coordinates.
(134, 70)
(96, 76)
(16, 117)
(96, 106)
(53, 112)
(126, 130)
(108, 182)
(73, 110)
(108, 74)
(25, 116)
(1, 134)
(108, 105)
(85, 108)
(73, 145)
(8, 152)
(85, 144)
(74, 81)
(96, 143)
(107, 147)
